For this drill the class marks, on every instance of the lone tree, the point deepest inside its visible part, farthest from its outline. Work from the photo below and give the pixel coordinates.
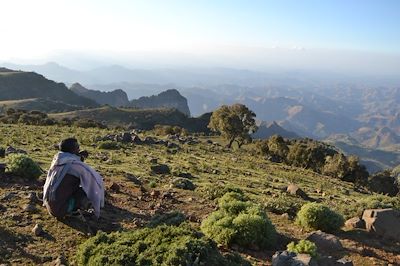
(235, 123)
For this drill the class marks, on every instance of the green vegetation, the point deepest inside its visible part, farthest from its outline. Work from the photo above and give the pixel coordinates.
(109, 145)
(314, 155)
(23, 166)
(217, 170)
(284, 203)
(162, 245)
(319, 217)
(303, 247)
(240, 222)
(163, 130)
(235, 123)
(172, 218)
(357, 208)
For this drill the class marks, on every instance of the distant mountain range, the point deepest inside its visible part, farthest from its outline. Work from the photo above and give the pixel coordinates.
(17, 85)
(325, 107)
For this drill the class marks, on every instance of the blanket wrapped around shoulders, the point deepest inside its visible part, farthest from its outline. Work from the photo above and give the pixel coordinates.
(90, 181)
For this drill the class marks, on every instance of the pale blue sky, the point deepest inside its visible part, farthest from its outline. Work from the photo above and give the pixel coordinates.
(36, 29)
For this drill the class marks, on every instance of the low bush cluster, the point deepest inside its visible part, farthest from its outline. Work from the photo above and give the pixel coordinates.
(284, 203)
(215, 191)
(319, 217)
(303, 247)
(15, 116)
(239, 221)
(357, 208)
(162, 245)
(172, 218)
(317, 156)
(23, 166)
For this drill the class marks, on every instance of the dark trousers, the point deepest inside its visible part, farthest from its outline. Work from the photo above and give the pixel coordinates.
(68, 189)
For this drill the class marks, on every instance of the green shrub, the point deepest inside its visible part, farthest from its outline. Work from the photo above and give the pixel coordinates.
(23, 166)
(239, 222)
(319, 217)
(109, 145)
(213, 191)
(172, 218)
(284, 204)
(162, 245)
(357, 208)
(303, 247)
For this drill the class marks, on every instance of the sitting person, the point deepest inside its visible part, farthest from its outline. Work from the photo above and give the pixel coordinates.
(71, 184)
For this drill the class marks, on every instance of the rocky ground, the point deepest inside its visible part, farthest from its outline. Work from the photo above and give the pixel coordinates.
(135, 193)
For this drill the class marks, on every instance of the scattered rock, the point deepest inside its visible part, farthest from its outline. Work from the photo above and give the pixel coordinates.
(295, 190)
(60, 261)
(136, 140)
(153, 160)
(37, 230)
(32, 197)
(126, 137)
(286, 258)
(115, 187)
(285, 216)
(383, 222)
(10, 150)
(167, 195)
(325, 242)
(355, 223)
(186, 175)
(9, 196)
(160, 169)
(29, 208)
(331, 261)
(155, 193)
(134, 179)
(183, 183)
(2, 168)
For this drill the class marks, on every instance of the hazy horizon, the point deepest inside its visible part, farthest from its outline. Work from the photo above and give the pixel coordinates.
(348, 37)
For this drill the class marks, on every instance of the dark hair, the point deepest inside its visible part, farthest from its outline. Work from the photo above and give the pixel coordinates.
(68, 145)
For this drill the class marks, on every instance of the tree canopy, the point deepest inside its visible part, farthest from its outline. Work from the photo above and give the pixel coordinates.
(235, 123)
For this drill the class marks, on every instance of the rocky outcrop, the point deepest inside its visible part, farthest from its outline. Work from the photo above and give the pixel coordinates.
(383, 222)
(266, 130)
(114, 98)
(166, 99)
(18, 85)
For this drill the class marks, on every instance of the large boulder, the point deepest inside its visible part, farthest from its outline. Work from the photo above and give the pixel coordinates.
(296, 191)
(383, 222)
(325, 242)
(355, 223)
(183, 183)
(160, 169)
(286, 258)
(384, 183)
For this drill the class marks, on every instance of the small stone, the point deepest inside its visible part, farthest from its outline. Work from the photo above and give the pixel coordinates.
(153, 160)
(295, 190)
(160, 169)
(37, 230)
(30, 208)
(60, 261)
(285, 216)
(155, 193)
(115, 187)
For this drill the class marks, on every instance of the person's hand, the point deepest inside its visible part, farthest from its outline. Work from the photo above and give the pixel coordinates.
(83, 154)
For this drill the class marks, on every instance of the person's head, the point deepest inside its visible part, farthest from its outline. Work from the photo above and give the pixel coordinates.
(70, 145)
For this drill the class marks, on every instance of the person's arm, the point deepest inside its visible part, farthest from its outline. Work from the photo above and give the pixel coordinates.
(83, 154)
